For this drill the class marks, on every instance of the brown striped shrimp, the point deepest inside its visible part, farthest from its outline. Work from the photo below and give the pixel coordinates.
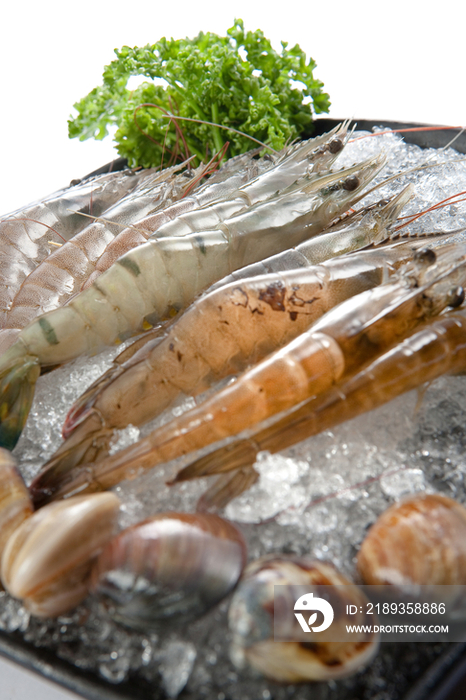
(345, 337)
(229, 328)
(436, 349)
(28, 235)
(164, 275)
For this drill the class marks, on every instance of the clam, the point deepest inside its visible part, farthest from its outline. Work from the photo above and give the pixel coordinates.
(418, 541)
(15, 503)
(47, 560)
(260, 617)
(172, 565)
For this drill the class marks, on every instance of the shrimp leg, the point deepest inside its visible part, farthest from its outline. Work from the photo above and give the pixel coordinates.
(348, 335)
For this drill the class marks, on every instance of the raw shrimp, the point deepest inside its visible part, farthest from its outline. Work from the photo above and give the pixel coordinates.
(312, 155)
(162, 276)
(236, 172)
(61, 274)
(437, 348)
(224, 331)
(346, 337)
(25, 234)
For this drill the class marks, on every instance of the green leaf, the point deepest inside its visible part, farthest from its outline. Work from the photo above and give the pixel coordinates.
(203, 78)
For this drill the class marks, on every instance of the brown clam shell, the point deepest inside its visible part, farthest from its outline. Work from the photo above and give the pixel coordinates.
(47, 560)
(420, 540)
(15, 502)
(172, 565)
(258, 611)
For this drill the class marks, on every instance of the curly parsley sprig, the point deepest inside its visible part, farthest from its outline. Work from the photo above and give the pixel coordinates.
(236, 81)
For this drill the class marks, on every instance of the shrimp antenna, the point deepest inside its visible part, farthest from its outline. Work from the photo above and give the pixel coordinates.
(219, 126)
(439, 205)
(41, 223)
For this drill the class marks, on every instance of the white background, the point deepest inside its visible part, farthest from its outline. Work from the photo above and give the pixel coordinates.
(396, 60)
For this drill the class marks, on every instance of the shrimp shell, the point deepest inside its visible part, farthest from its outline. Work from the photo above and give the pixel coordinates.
(60, 275)
(244, 187)
(436, 349)
(25, 233)
(236, 172)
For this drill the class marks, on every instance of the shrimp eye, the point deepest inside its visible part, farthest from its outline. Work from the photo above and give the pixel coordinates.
(188, 173)
(425, 256)
(351, 183)
(455, 297)
(335, 146)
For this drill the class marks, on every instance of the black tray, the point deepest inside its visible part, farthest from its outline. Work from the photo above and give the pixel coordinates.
(444, 680)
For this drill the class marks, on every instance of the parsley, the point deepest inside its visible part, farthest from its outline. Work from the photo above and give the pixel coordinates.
(237, 81)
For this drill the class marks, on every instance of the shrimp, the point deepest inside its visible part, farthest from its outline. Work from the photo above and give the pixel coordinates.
(64, 272)
(313, 154)
(435, 349)
(162, 276)
(223, 332)
(236, 172)
(60, 275)
(25, 234)
(343, 339)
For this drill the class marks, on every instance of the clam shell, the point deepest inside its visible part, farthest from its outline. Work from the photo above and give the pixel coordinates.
(15, 503)
(251, 620)
(420, 540)
(47, 560)
(172, 565)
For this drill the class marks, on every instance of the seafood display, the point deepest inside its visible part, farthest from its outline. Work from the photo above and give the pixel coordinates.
(335, 346)
(317, 311)
(246, 322)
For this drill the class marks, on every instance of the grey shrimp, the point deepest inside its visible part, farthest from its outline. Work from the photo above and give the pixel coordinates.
(26, 233)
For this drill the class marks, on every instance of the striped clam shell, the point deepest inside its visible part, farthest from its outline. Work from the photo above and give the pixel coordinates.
(171, 566)
(47, 561)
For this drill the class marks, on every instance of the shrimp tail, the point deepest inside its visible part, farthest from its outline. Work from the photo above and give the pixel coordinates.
(89, 443)
(226, 488)
(238, 454)
(18, 375)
